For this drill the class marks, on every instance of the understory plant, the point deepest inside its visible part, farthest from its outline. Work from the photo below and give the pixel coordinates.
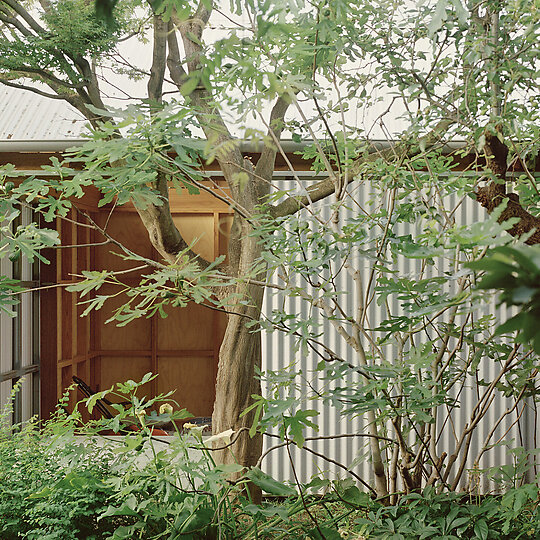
(50, 487)
(452, 516)
(114, 479)
(111, 478)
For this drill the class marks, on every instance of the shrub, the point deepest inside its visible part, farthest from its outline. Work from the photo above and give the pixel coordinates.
(51, 488)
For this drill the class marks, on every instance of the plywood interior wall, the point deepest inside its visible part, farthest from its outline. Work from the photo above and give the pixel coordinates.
(182, 348)
(73, 333)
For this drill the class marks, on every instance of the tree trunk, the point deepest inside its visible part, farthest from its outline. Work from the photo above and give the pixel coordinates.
(241, 349)
(239, 354)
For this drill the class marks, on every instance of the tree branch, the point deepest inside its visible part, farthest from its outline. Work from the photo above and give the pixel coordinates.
(174, 61)
(17, 7)
(93, 95)
(157, 71)
(7, 82)
(163, 233)
(49, 77)
(492, 195)
(265, 164)
(14, 22)
(213, 125)
(327, 187)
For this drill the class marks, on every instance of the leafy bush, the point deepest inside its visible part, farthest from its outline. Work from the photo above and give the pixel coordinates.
(51, 486)
(452, 516)
(64, 480)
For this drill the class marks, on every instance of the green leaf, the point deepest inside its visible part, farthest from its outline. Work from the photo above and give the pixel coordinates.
(298, 423)
(189, 86)
(439, 17)
(461, 12)
(123, 510)
(522, 295)
(267, 510)
(196, 521)
(352, 495)
(511, 325)
(43, 494)
(269, 484)
(324, 533)
(481, 529)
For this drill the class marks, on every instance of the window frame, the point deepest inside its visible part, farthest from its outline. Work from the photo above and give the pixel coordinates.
(20, 335)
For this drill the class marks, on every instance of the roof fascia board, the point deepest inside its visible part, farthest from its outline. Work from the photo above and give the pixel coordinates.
(61, 145)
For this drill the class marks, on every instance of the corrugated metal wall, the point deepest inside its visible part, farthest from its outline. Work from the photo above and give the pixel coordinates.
(519, 425)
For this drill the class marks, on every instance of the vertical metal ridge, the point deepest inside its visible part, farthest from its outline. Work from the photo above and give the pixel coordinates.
(331, 422)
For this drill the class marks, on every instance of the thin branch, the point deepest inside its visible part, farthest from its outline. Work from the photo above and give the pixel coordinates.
(75, 246)
(265, 164)
(326, 458)
(501, 418)
(149, 262)
(50, 77)
(7, 82)
(326, 187)
(477, 414)
(300, 490)
(17, 7)
(68, 284)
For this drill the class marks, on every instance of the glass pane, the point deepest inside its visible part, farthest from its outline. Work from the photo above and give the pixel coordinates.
(16, 334)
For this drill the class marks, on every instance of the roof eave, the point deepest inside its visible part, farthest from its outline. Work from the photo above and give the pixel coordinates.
(61, 145)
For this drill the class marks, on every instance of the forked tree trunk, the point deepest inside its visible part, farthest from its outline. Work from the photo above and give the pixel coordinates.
(240, 352)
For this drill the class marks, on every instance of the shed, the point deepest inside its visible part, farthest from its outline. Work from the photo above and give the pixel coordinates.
(48, 342)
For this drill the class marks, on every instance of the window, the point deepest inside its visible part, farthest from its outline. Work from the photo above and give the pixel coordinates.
(19, 336)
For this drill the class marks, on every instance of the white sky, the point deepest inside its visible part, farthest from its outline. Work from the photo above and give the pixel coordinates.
(139, 54)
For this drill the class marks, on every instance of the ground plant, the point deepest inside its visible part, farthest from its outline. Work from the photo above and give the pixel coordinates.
(68, 479)
(407, 112)
(49, 489)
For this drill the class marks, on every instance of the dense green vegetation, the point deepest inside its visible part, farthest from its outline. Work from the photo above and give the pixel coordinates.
(461, 77)
(63, 480)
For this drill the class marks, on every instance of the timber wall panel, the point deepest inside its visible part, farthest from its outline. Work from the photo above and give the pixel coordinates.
(134, 336)
(224, 224)
(72, 331)
(126, 228)
(188, 328)
(193, 379)
(197, 229)
(182, 348)
(120, 368)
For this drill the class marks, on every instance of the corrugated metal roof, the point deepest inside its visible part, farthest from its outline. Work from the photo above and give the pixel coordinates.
(25, 115)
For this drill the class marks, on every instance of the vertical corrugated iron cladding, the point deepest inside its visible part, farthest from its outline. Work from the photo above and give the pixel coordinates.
(278, 354)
